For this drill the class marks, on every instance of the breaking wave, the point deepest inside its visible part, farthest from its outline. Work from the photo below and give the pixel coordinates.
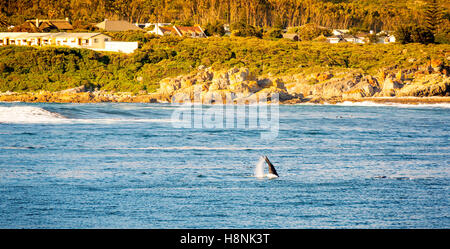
(28, 114)
(37, 115)
(184, 148)
(375, 104)
(370, 103)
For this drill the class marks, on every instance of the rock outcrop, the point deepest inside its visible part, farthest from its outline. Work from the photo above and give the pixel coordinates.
(238, 85)
(228, 86)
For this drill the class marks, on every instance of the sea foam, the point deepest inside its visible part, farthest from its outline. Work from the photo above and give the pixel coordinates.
(375, 104)
(28, 114)
(37, 115)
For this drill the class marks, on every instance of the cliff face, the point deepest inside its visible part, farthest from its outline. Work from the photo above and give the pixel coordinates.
(237, 85)
(425, 81)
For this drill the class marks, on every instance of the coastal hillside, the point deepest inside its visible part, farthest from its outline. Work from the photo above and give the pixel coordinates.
(372, 14)
(303, 68)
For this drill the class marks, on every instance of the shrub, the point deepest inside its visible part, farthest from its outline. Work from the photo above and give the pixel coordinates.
(215, 28)
(245, 30)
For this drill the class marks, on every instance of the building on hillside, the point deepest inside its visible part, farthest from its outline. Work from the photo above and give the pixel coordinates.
(151, 25)
(291, 36)
(227, 29)
(335, 39)
(80, 40)
(362, 38)
(386, 37)
(119, 46)
(164, 30)
(337, 32)
(116, 26)
(183, 31)
(390, 39)
(94, 41)
(37, 25)
(192, 31)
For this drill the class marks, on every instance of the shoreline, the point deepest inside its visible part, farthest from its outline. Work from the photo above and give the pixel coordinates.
(122, 97)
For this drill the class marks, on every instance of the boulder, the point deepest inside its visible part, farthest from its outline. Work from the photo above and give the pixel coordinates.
(239, 87)
(436, 65)
(426, 89)
(169, 86)
(333, 89)
(390, 87)
(79, 89)
(324, 76)
(238, 75)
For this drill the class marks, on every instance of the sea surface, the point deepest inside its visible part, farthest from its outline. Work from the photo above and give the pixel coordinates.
(128, 166)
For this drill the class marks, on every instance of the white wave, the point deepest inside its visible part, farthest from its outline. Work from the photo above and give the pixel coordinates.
(375, 104)
(205, 148)
(120, 120)
(28, 114)
(402, 105)
(37, 115)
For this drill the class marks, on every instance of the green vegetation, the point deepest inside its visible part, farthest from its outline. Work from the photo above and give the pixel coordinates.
(369, 14)
(216, 28)
(310, 31)
(58, 68)
(414, 34)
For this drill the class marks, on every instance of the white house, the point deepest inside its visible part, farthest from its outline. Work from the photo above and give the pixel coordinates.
(192, 31)
(148, 25)
(120, 46)
(340, 31)
(95, 41)
(386, 37)
(335, 39)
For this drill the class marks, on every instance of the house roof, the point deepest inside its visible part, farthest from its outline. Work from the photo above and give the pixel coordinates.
(348, 36)
(110, 25)
(26, 26)
(189, 30)
(291, 36)
(168, 29)
(30, 25)
(25, 35)
(61, 24)
(335, 37)
(76, 35)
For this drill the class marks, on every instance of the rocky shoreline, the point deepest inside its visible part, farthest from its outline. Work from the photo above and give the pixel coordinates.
(105, 97)
(428, 83)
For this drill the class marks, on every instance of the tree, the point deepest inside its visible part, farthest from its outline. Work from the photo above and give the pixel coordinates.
(274, 33)
(403, 34)
(420, 34)
(241, 28)
(414, 33)
(433, 15)
(3, 21)
(310, 31)
(373, 38)
(215, 28)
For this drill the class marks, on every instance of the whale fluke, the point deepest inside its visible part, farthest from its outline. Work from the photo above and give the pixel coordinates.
(272, 170)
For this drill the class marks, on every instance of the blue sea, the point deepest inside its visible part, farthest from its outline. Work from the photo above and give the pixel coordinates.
(119, 165)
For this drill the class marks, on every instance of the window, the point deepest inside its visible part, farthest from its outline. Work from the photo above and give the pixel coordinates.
(106, 39)
(95, 40)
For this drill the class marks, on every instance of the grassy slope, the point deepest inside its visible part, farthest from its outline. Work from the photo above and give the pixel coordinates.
(53, 68)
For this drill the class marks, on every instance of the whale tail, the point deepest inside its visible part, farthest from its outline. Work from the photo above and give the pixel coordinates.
(271, 167)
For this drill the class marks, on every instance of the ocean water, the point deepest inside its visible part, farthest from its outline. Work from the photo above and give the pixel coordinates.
(127, 166)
